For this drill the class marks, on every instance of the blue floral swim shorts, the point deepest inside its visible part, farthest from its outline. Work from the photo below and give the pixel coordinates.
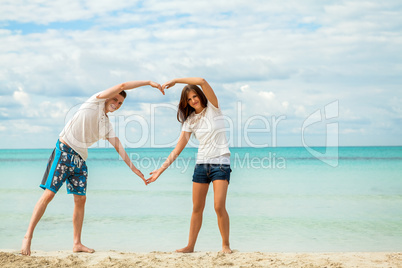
(65, 164)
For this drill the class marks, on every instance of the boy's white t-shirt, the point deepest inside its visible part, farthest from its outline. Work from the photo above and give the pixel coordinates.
(209, 128)
(88, 125)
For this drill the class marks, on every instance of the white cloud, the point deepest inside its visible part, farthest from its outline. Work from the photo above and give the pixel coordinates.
(44, 12)
(21, 97)
(277, 58)
(269, 96)
(352, 131)
(300, 111)
(244, 88)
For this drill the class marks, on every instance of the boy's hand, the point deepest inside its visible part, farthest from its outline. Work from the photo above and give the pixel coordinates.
(139, 174)
(158, 86)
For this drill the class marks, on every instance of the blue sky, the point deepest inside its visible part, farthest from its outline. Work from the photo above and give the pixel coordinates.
(273, 65)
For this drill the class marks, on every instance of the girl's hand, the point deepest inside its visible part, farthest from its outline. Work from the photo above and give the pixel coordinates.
(169, 84)
(155, 174)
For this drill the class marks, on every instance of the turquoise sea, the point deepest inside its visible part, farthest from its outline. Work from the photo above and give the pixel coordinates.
(279, 200)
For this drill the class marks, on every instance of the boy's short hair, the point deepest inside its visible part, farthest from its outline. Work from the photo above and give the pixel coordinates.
(123, 93)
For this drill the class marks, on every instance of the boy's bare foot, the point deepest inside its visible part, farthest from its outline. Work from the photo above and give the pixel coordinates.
(185, 250)
(26, 246)
(82, 248)
(226, 249)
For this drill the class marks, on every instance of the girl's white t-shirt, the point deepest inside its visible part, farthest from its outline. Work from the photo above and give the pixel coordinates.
(88, 125)
(209, 129)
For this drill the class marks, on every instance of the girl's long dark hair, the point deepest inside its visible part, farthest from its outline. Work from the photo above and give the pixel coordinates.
(184, 108)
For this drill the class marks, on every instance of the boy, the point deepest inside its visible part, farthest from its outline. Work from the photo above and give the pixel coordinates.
(67, 162)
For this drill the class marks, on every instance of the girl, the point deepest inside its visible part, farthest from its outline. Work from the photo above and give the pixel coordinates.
(200, 114)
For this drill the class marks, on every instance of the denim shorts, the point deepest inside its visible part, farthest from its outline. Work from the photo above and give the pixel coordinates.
(65, 165)
(205, 173)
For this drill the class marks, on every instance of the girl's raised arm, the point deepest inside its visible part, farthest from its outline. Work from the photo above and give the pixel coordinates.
(206, 88)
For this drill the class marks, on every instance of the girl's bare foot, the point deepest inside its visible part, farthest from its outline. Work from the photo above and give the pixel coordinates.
(226, 249)
(82, 248)
(26, 246)
(186, 250)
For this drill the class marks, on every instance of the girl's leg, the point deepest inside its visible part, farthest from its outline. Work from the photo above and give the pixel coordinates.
(200, 191)
(220, 192)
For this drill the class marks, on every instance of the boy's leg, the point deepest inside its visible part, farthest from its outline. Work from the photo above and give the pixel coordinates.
(78, 219)
(37, 214)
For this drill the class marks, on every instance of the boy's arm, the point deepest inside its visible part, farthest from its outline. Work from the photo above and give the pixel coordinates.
(115, 141)
(113, 91)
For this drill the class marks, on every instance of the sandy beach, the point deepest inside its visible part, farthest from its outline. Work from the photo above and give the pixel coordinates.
(12, 259)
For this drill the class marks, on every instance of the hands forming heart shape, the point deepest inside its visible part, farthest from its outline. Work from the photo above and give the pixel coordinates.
(162, 88)
(155, 174)
(206, 91)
